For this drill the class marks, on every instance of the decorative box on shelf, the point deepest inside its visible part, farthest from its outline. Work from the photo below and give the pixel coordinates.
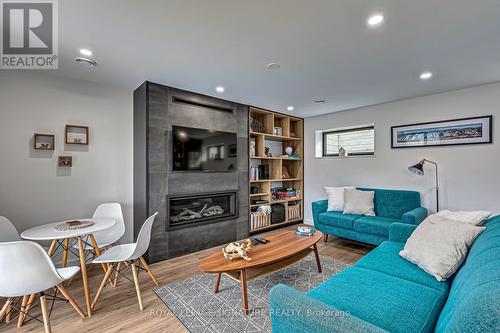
(259, 220)
(294, 212)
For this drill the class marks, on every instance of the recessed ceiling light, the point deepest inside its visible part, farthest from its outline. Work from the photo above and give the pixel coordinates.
(290, 108)
(425, 75)
(85, 61)
(86, 52)
(375, 20)
(273, 65)
(319, 101)
(219, 89)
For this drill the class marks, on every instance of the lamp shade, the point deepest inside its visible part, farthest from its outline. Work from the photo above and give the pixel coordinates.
(417, 169)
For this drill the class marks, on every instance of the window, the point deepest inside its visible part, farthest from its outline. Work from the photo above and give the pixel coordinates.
(359, 141)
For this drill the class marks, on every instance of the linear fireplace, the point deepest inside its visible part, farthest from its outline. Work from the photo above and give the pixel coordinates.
(184, 211)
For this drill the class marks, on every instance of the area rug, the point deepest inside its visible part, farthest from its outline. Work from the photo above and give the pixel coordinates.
(194, 303)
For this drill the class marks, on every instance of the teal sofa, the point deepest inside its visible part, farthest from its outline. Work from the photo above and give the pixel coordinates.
(383, 292)
(391, 206)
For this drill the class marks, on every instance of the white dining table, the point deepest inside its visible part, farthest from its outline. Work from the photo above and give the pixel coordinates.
(65, 239)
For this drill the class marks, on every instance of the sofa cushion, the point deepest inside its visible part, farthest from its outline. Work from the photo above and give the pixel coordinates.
(382, 300)
(385, 259)
(473, 304)
(374, 225)
(394, 203)
(338, 219)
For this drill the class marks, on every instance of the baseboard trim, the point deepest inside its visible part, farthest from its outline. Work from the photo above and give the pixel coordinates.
(308, 221)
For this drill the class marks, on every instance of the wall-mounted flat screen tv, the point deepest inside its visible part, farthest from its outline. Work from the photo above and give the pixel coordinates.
(196, 149)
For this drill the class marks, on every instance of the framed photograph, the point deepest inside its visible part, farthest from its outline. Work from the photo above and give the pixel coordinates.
(465, 131)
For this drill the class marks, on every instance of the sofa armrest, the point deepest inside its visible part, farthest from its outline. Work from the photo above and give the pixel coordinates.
(318, 207)
(292, 311)
(415, 216)
(400, 232)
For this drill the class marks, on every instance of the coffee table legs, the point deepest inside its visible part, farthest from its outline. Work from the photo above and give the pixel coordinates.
(316, 254)
(243, 278)
(217, 283)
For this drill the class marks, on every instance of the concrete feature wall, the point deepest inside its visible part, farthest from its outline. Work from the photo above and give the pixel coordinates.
(33, 190)
(468, 174)
(155, 180)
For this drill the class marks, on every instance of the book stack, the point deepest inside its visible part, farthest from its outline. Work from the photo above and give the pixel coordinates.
(305, 231)
(282, 193)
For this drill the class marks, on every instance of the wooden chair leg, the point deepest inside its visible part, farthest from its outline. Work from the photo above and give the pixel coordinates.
(29, 305)
(97, 253)
(45, 314)
(325, 237)
(137, 288)
(5, 307)
(52, 248)
(115, 282)
(101, 287)
(24, 302)
(150, 272)
(64, 260)
(8, 314)
(71, 300)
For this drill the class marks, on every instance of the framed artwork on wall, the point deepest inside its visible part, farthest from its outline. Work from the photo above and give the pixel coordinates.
(465, 131)
(76, 135)
(65, 161)
(44, 141)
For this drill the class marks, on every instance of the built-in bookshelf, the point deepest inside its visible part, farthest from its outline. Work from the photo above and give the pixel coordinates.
(278, 170)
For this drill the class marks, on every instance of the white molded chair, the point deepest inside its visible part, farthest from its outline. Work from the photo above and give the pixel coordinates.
(131, 255)
(8, 232)
(26, 269)
(111, 235)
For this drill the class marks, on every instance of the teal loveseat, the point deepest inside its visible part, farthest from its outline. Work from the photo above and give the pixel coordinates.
(391, 206)
(383, 292)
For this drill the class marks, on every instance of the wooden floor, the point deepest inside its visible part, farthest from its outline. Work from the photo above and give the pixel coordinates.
(117, 309)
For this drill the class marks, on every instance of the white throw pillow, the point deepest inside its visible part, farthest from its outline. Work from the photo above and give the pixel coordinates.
(439, 245)
(336, 197)
(359, 202)
(473, 217)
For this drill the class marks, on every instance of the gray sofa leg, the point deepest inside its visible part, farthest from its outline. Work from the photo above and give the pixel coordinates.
(325, 237)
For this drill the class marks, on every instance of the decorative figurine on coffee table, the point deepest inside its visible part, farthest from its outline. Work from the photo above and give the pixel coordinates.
(237, 250)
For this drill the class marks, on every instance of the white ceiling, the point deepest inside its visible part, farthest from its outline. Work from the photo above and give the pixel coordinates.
(324, 48)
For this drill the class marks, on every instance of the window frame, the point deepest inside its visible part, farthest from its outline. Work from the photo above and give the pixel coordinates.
(345, 130)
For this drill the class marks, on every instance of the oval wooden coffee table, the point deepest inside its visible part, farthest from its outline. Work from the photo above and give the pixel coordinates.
(284, 249)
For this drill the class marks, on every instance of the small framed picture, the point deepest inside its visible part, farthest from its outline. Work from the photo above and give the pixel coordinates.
(465, 131)
(44, 141)
(65, 161)
(76, 135)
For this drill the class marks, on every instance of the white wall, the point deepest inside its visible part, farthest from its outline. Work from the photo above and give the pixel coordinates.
(469, 175)
(33, 190)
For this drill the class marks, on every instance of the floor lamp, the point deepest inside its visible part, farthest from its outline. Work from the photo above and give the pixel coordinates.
(418, 169)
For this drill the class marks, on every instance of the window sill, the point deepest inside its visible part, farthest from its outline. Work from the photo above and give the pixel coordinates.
(345, 157)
